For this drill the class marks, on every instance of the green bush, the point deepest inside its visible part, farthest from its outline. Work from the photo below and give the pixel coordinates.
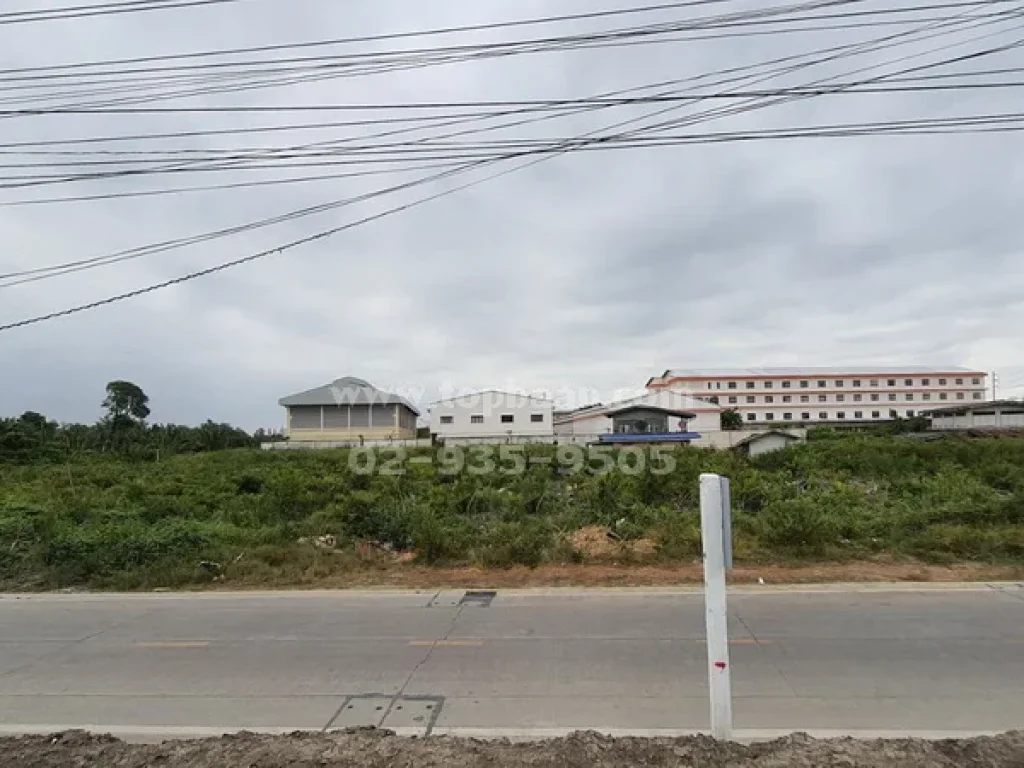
(116, 520)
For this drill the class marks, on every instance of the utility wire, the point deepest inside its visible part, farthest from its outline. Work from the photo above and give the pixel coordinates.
(565, 144)
(103, 9)
(335, 42)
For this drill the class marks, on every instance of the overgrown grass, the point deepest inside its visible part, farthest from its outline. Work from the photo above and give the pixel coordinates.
(240, 515)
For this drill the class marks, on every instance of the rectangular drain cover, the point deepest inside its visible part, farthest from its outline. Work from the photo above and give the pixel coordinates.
(414, 712)
(478, 598)
(361, 711)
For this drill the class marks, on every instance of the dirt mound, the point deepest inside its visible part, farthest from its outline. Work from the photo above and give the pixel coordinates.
(372, 748)
(599, 544)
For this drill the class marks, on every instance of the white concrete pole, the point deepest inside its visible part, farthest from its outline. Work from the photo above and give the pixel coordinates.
(715, 615)
(727, 522)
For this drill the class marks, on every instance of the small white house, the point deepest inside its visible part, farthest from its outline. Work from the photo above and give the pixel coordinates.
(767, 442)
(492, 417)
(588, 424)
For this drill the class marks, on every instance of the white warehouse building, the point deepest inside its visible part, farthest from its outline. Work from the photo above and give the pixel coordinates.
(835, 395)
(585, 425)
(491, 417)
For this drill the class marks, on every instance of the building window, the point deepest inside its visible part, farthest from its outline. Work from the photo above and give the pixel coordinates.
(926, 396)
(713, 399)
(910, 414)
(943, 396)
(751, 417)
(892, 382)
(751, 399)
(804, 384)
(787, 398)
(507, 418)
(959, 382)
(769, 417)
(942, 382)
(909, 397)
(977, 395)
(840, 398)
(959, 395)
(856, 382)
(732, 385)
(750, 385)
(787, 385)
(537, 418)
(822, 415)
(822, 384)
(447, 419)
(805, 398)
(908, 382)
(894, 414)
(875, 414)
(787, 417)
(874, 382)
(892, 396)
(975, 382)
(822, 398)
(858, 414)
(710, 385)
(858, 397)
(476, 419)
(926, 382)
(718, 385)
(733, 399)
(768, 385)
(769, 399)
(841, 415)
(874, 398)
(839, 383)
(805, 416)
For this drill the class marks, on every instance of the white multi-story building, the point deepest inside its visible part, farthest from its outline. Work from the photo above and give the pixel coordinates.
(851, 394)
(493, 416)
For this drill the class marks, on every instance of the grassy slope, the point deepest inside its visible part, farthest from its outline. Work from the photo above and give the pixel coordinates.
(109, 523)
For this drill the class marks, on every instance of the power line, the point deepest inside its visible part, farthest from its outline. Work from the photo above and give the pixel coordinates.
(563, 146)
(506, 48)
(252, 257)
(335, 42)
(103, 9)
(843, 51)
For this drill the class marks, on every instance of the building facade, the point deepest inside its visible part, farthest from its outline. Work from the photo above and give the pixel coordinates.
(847, 395)
(348, 410)
(585, 425)
(991, 414)
(493, 416)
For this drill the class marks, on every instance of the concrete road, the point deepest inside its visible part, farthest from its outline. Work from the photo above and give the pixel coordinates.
(868, 660)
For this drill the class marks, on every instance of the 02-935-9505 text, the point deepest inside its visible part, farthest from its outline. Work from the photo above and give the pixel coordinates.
(513, 460)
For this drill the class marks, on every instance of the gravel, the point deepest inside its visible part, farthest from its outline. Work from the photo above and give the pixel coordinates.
(370, 748)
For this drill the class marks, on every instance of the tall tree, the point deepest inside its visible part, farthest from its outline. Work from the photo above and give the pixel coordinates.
(732, 419)
(126, 403)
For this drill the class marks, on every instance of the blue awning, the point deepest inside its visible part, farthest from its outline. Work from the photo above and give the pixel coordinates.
(649, 437)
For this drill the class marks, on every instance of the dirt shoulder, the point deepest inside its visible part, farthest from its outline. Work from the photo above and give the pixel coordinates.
(409, 576)
(373, 749)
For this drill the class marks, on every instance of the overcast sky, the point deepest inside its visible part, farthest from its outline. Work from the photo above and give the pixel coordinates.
(586, 273)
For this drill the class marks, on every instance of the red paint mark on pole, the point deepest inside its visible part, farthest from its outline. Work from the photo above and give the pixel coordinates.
(720, 664)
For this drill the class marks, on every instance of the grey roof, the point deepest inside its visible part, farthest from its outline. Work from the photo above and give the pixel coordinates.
(975, 405)
(347, 390)
(760, 435)
(832, 370)
(478, 393)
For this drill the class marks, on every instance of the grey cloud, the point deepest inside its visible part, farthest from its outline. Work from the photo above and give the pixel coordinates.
(584, 273)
